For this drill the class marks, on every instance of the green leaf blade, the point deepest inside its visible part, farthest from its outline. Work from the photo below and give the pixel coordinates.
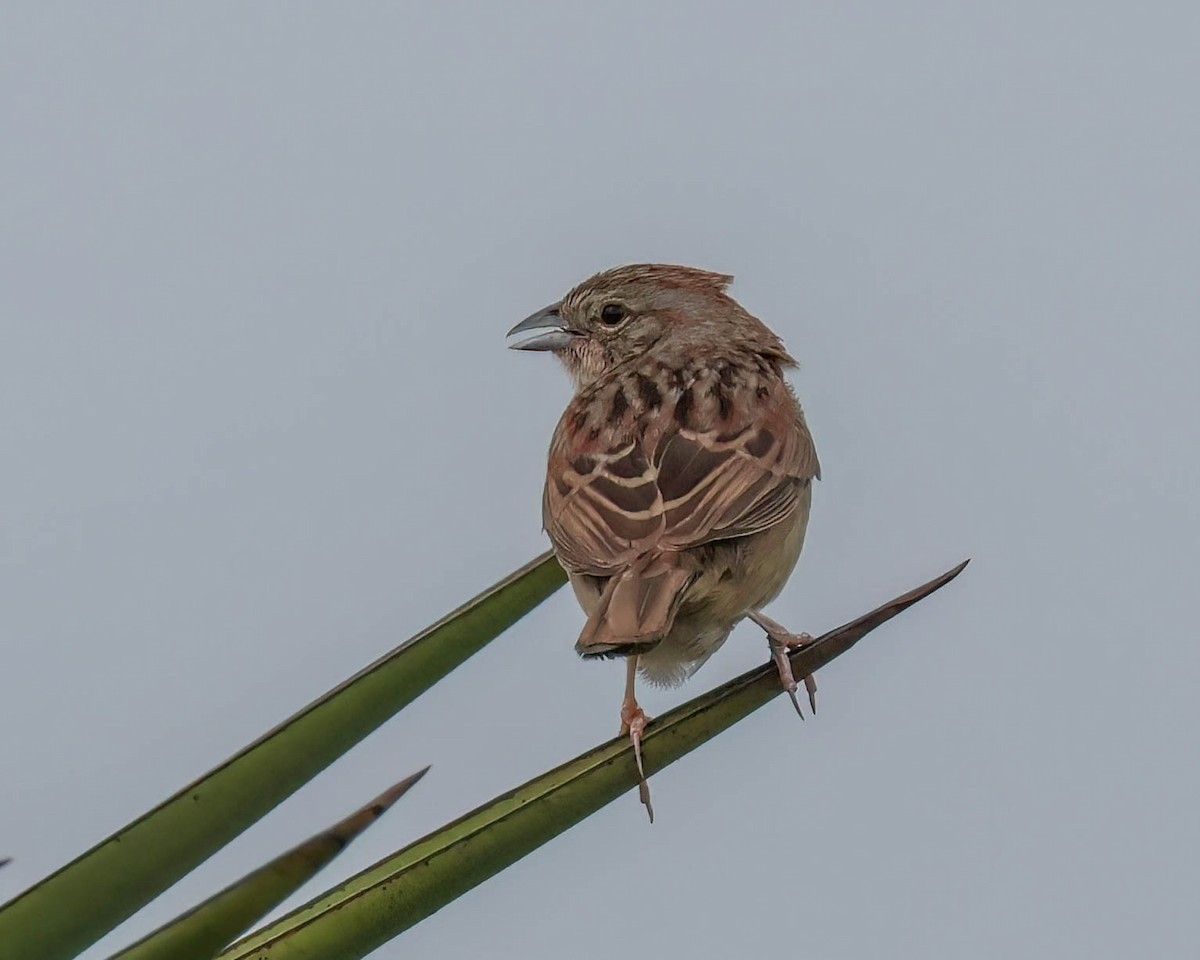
(72, 908)
(200, 933)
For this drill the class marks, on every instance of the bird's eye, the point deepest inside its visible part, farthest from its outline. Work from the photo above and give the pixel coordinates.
(613, 313)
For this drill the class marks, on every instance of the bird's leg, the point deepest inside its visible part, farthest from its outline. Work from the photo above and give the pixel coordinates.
(781, 641)
(633, 722)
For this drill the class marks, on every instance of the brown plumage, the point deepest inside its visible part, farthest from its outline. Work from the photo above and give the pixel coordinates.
(680, 475)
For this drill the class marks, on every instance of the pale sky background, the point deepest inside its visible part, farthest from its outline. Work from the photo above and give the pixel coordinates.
(258, 426)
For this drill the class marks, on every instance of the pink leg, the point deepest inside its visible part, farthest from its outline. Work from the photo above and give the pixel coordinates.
(781, 641)
(633, 722)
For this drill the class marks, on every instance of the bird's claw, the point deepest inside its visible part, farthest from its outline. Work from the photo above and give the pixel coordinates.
(781, 642)
(633, 723)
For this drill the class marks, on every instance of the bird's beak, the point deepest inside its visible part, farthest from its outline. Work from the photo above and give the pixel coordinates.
(549, 319)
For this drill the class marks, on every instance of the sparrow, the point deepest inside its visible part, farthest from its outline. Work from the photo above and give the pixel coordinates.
(679, 477)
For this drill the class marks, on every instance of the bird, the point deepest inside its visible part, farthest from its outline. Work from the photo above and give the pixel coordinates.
(679, 477)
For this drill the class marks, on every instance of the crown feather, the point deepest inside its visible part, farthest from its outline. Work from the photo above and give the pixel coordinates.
(665, 274)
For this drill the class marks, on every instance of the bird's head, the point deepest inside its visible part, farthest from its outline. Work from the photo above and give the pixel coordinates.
(625, 312)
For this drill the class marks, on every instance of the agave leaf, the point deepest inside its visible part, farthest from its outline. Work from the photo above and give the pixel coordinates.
(356, 917)
(71, 909)
(201, 932)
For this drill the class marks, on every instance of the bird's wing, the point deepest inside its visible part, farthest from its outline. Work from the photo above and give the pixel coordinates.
(616, 493)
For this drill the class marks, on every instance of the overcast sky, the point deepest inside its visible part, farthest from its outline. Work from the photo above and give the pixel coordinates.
(258, 426)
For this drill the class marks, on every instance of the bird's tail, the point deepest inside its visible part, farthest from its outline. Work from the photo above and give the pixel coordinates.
(636, 609)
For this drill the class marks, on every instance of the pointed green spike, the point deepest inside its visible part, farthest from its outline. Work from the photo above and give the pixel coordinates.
(201, 932)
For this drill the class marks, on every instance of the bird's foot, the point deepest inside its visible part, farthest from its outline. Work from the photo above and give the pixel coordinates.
(633, 722)
(780, 642)
(784, 663)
